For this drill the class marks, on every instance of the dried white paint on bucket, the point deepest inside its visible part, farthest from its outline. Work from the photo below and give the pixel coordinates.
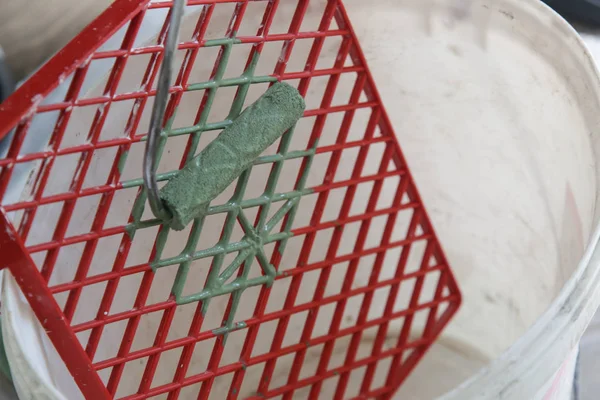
(496, 106)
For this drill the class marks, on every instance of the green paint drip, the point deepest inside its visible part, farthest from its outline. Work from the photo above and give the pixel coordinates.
(4, 365)
(122, 161)
(228, 329)
(189, 194)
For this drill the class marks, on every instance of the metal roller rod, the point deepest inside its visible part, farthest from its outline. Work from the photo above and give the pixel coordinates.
(158, 111)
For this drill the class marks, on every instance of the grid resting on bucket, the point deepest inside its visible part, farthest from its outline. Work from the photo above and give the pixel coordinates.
(102, 205)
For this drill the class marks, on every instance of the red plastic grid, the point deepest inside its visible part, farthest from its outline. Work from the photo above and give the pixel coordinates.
(49, 196)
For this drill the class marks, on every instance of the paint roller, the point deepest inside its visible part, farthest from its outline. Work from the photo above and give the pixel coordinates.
(188, 195)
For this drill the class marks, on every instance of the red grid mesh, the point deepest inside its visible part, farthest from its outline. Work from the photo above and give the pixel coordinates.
(80, 212)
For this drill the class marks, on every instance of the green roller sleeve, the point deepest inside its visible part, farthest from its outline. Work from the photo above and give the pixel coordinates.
(188, 194)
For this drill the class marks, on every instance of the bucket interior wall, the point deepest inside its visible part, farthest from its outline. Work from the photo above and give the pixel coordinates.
(494, 112)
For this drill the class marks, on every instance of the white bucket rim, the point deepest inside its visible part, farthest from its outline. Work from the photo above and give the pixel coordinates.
(527, 365)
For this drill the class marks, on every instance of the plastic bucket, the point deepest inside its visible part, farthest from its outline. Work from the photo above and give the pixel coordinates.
(495, 103)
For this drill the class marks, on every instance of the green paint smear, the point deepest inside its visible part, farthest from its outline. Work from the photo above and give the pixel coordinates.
(4, 366)
(122, 161)
(189, 193)
(226, 330)
(251, 132)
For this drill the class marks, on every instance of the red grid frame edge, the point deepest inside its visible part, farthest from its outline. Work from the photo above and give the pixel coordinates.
(16, 113)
